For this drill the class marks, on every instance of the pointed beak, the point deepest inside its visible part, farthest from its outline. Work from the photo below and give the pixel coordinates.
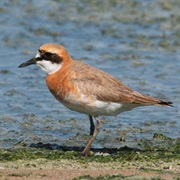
(29, 62)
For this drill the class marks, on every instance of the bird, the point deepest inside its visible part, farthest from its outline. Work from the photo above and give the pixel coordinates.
(86, 89)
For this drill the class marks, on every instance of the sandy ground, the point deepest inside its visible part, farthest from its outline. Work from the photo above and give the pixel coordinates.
(69, 169)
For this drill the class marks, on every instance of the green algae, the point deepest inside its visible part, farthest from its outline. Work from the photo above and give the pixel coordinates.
(160, 147)
(87, 177)
(32, 153)
(160, 155)
(25, 175)
(118, 177)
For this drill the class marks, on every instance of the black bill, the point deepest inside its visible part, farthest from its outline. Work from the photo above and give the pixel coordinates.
(29, 62)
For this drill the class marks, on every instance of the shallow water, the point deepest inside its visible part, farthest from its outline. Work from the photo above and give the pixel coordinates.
(138, 42)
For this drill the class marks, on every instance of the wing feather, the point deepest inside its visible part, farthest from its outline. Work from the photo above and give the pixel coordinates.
(102, 85)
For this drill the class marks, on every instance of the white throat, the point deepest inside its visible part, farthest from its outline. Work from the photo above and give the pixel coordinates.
(48, 66)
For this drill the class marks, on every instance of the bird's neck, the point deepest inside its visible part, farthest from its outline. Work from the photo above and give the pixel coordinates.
(58, 80)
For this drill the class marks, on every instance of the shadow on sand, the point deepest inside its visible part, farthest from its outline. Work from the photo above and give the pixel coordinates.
(80, 149)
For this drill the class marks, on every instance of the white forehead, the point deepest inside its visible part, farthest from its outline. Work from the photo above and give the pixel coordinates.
(38, 54)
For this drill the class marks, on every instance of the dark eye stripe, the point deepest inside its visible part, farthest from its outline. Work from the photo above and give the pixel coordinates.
(54, 58)
(46, 56)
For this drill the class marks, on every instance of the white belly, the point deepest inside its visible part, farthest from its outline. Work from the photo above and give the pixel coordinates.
(99, 107)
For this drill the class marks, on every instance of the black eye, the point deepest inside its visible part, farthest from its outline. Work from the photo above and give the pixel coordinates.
(47, 56)
(53, 57)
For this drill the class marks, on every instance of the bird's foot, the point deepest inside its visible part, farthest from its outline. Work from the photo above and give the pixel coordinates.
(86, 152)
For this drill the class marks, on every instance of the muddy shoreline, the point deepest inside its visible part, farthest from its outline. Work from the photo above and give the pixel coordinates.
(159, 162)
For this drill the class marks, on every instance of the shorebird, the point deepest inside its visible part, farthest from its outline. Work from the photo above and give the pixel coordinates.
(86, 89)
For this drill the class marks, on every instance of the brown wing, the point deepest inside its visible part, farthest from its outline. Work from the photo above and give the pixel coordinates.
(105, 87)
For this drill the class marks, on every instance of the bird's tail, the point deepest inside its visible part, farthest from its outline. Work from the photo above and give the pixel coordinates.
(148, 100)
(165, 103)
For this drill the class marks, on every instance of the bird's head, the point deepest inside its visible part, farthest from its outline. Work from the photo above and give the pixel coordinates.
(50, 58)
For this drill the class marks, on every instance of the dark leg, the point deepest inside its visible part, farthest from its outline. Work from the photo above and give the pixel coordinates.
(86, 151)
(92, 126)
